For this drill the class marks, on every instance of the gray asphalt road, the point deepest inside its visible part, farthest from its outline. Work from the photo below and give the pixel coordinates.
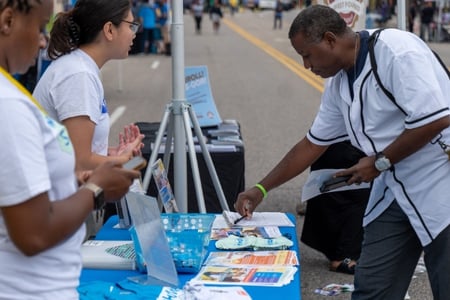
(255, 79)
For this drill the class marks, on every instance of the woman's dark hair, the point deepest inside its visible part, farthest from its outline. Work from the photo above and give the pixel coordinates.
(315, 20)
(20, 5)
(81, 24)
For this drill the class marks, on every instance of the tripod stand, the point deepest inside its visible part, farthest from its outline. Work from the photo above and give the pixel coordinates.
(177, 117)
(184, 110)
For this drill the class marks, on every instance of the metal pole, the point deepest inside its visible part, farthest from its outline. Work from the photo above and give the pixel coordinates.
(178, 91)
(437, 37)
(179, 128)
(401, 14)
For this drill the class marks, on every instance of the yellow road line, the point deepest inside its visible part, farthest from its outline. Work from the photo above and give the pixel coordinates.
(315, 81)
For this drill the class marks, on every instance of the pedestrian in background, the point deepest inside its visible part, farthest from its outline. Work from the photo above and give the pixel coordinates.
(234, 6)
(426, 21)
(215, 14)
(42, 208)
(162, 16)
(137, 42)
(197, 12)
(147, 19)
(278, 15)
(408, 212)
(412, 15)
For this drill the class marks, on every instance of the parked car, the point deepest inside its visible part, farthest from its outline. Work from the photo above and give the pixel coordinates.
(267, 4)
(270, 4)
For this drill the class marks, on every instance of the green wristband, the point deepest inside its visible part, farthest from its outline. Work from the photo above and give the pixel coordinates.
(262, 189)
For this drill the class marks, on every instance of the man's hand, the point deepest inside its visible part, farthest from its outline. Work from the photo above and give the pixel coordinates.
(363, 171)
(247, 201)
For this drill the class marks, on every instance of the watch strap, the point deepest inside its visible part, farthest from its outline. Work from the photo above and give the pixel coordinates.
(99, 200)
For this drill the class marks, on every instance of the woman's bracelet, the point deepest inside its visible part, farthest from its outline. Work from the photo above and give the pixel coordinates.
(262, 189)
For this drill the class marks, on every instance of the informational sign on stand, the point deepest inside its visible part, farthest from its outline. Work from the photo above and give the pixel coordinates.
(352, 11)
(199, 95)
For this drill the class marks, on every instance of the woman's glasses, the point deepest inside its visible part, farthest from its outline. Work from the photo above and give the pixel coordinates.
(134, 26)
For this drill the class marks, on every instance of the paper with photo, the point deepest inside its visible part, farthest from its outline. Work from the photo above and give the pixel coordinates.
(199, 291)
(164, 187)
(246, 275)
(237, 258)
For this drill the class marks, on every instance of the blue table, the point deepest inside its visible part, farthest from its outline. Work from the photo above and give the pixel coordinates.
(108, 232)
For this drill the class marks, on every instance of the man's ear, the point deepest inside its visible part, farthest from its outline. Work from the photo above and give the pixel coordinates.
(330, 39)
(6, 20)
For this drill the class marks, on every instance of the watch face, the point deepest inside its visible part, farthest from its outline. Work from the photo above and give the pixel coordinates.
(382, 164)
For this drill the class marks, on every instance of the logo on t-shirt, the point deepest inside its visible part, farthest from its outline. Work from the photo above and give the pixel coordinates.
(62, 135)
(104, 107)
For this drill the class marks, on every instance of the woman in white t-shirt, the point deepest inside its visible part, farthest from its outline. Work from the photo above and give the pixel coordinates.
(71, 90)
(42, 210)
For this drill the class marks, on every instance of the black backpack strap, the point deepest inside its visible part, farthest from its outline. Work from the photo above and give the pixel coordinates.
(373, 63)
(442, 63)
(372, 40)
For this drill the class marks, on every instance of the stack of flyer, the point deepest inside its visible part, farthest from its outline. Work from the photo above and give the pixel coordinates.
(255, 268)
(226, 133)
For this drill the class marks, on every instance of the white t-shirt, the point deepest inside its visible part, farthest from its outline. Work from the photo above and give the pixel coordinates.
(37, 157)
(71, 87)
(197, 9)
(421, 87)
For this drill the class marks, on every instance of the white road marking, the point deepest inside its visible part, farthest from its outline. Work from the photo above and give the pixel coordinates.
(116, 114)
(155, 64)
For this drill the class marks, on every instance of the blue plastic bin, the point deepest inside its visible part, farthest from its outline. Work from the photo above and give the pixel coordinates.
(188, 236)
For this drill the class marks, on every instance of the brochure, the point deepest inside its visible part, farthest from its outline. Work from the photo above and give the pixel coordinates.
(246, 275)
(164, 188)
(202, 292)
(237, 258)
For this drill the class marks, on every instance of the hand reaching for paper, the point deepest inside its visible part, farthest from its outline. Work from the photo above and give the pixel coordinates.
(247, 201)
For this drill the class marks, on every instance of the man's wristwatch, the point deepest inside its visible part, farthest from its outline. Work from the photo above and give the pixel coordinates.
(99, 197)
(382, 163)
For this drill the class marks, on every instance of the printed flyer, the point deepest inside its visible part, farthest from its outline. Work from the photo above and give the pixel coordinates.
(236, 258)
(246, 275)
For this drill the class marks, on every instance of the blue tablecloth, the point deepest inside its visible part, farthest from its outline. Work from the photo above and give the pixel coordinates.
(108, 232)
